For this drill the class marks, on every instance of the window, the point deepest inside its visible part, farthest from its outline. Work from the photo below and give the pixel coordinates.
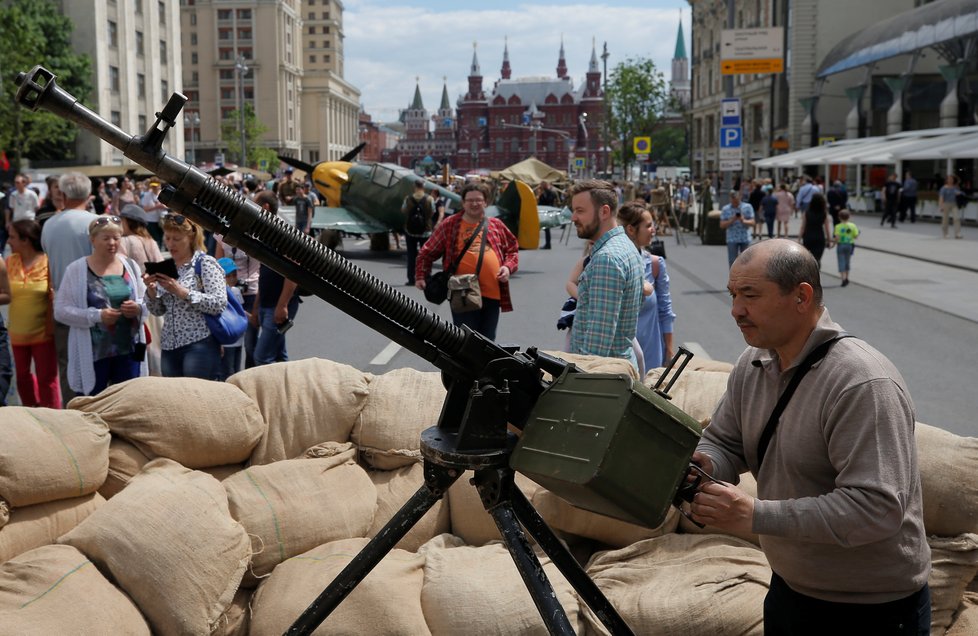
(227, 93)
(312, 59)
(499, 146)
(325, 15)
(326, 59)
(161, 7)
(226, 54)
(244, 14)
(194, 75)
(244, 34)
(139, 6)
(163, 51)
(193, 19)
(139, 43)
(223, 14)
(312, 30)
(312, 15)
(193, 59)
(325, 44)
(193, 39)
(326, 30)
(226, 74)
(114, 79)
(116, 118)
(140, 86)
(757, 122)
(142, 122)
(113, 34)
(245, 53)
(165, 89)
(224, 34)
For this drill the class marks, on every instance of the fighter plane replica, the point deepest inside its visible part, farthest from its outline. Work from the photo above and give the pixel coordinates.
(366, 198)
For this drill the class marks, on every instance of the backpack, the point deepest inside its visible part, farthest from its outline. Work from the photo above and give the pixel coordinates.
(416, 224)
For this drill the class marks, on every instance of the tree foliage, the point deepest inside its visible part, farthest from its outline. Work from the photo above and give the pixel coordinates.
(34, 32)
(254, 129)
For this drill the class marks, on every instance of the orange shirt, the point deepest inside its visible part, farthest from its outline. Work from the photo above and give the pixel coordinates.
(488, 283)
(31, 306)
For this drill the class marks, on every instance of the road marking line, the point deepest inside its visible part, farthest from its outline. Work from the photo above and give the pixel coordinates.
(697, 350)
(362, 243)
(386, 355)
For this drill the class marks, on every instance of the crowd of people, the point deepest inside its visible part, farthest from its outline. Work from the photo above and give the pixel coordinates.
(85, 313)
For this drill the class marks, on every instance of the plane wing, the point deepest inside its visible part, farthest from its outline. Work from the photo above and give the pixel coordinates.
(553, 217)
(346, 221)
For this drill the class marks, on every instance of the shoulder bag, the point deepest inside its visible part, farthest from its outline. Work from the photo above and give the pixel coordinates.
(464, 293)
(228, 327)
(436, 285)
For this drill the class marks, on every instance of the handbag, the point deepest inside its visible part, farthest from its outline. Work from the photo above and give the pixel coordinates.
(436, 285)
(227, 327)
(464, 293)
(658, 247)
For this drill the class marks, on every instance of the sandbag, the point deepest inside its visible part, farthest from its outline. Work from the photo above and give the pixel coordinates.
(197, 423)
(954, 563)
(966, 617)
(946, 462)
(304, 402)
(477, 591)
(168, 540)
(401, 404)
(565, 517)
(291, 506)
(55, 589)
(387, 601)
(596, 364)
(394, 488)
(749, 485)
(125, 462)
(470, 521)
(695, 392)
(683, 585)
(4, 513)
(50, 454)
(41, 524)
(237, 618)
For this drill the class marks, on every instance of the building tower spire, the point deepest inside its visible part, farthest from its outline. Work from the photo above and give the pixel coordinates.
(474, 71)
(416, 103)
(680, 87)
(506, 71)
(561, 62)
(445, 104)
(593, 66)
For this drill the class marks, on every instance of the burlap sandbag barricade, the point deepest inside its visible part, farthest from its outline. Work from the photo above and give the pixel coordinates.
(477, 591)
(683, 585)
(749, 485)
(954, 563)
(470, 521)
(57, 590)
(394, 488)
(294, 505)
(197, 423)
(966, 617)
(596, 364)
(48, 454)
(41, 524)
(400, 405)
(304, 402)
(947, 464)
(168, 540)
(695, 392)
(237, 618)
(4, 513)
(387, 601)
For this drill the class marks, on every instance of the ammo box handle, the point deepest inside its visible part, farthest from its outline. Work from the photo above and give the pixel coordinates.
(684, 353)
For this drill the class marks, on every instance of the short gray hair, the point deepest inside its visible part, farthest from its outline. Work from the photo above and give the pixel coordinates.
(788, 266)
(75, 186)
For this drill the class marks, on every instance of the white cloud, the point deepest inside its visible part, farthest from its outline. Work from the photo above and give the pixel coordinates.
(387, 47)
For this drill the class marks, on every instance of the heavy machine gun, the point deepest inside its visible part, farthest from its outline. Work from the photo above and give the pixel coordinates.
(601, 441)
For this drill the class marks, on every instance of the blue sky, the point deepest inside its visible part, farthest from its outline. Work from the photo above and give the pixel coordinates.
(389, 43)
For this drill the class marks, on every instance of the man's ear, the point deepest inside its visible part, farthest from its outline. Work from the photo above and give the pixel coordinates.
(805, 294)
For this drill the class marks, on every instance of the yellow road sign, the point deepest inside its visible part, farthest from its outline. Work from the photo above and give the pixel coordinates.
(642, 145)
(742, 67)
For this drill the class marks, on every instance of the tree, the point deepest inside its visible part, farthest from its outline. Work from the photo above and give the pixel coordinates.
(34, 32)
(254, 129)
(637, 97)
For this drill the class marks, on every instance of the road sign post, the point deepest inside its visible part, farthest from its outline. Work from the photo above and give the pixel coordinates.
(748, 51)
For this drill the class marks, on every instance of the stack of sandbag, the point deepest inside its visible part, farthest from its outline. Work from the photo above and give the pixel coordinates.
(55, 589)
(200, 424)
(596, 364)
(169, 542)
(51, 464)
(696, 392)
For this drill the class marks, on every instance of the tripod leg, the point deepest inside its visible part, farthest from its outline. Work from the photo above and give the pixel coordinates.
(567, 564)
(495, 487)
(436, 482)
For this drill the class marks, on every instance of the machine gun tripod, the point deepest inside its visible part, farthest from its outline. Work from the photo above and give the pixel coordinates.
(489, 386)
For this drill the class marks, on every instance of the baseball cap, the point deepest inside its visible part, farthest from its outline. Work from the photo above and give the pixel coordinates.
(134, 212)
(227, 265)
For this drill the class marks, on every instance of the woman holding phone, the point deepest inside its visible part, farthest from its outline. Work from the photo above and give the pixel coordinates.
(194, 287)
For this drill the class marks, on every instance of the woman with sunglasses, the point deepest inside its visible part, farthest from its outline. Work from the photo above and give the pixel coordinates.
(655, 316)
(101, 300)
(189, 349)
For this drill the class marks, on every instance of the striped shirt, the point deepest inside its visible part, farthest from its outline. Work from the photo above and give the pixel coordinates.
(609, 294)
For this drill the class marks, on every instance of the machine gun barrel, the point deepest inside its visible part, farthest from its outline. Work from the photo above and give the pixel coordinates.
(459, 353)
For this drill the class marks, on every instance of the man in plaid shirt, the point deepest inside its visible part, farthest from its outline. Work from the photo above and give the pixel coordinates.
(609, 291)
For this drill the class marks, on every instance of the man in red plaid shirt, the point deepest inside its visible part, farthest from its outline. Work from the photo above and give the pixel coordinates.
(500, 259)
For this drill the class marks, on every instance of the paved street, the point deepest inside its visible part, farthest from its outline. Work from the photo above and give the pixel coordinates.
(921, 314)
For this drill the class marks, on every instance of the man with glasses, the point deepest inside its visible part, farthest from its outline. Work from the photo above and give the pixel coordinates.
(609, 290)
(479, 245)
(65, 239)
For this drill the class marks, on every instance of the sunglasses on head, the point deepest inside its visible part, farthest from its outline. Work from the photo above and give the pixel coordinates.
(105, 220)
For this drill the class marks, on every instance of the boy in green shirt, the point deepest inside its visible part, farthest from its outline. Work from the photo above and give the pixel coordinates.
(845, 239)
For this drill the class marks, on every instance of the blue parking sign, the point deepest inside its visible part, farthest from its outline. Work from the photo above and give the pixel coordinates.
(731, 136)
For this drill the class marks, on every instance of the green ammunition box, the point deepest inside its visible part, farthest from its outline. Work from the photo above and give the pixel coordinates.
(608, 444)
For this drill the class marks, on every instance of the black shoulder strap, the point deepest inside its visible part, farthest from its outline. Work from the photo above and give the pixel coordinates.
(465, 248)
(814, 356)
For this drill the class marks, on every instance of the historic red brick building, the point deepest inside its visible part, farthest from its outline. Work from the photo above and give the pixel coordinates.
(545, 117)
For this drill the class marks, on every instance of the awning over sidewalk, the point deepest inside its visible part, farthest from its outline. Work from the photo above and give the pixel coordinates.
(931, 143)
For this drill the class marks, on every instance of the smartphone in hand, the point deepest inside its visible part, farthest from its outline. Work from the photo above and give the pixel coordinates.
(167, 267)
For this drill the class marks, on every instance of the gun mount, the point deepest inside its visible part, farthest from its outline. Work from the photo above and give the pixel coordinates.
(489, 386)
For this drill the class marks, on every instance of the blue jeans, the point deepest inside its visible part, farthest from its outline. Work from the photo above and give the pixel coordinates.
(790, 613)
(251, 335)
(271, 344)
(113, 371)
(734, 250)
(483, 321)
(199, 359)
(230, 361)
(413, 245)
(843, 251)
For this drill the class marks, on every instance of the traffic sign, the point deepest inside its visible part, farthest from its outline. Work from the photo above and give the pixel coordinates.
(731, 165)
(750, 67)
(731, 136)
(642, 145)
(730, 111)
(578, 162)
(219, 159)
(747, 51)
(642, 156)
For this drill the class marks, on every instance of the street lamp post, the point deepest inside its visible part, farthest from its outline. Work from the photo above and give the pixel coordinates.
(242, 70)
(607, 111)
(191, 120)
